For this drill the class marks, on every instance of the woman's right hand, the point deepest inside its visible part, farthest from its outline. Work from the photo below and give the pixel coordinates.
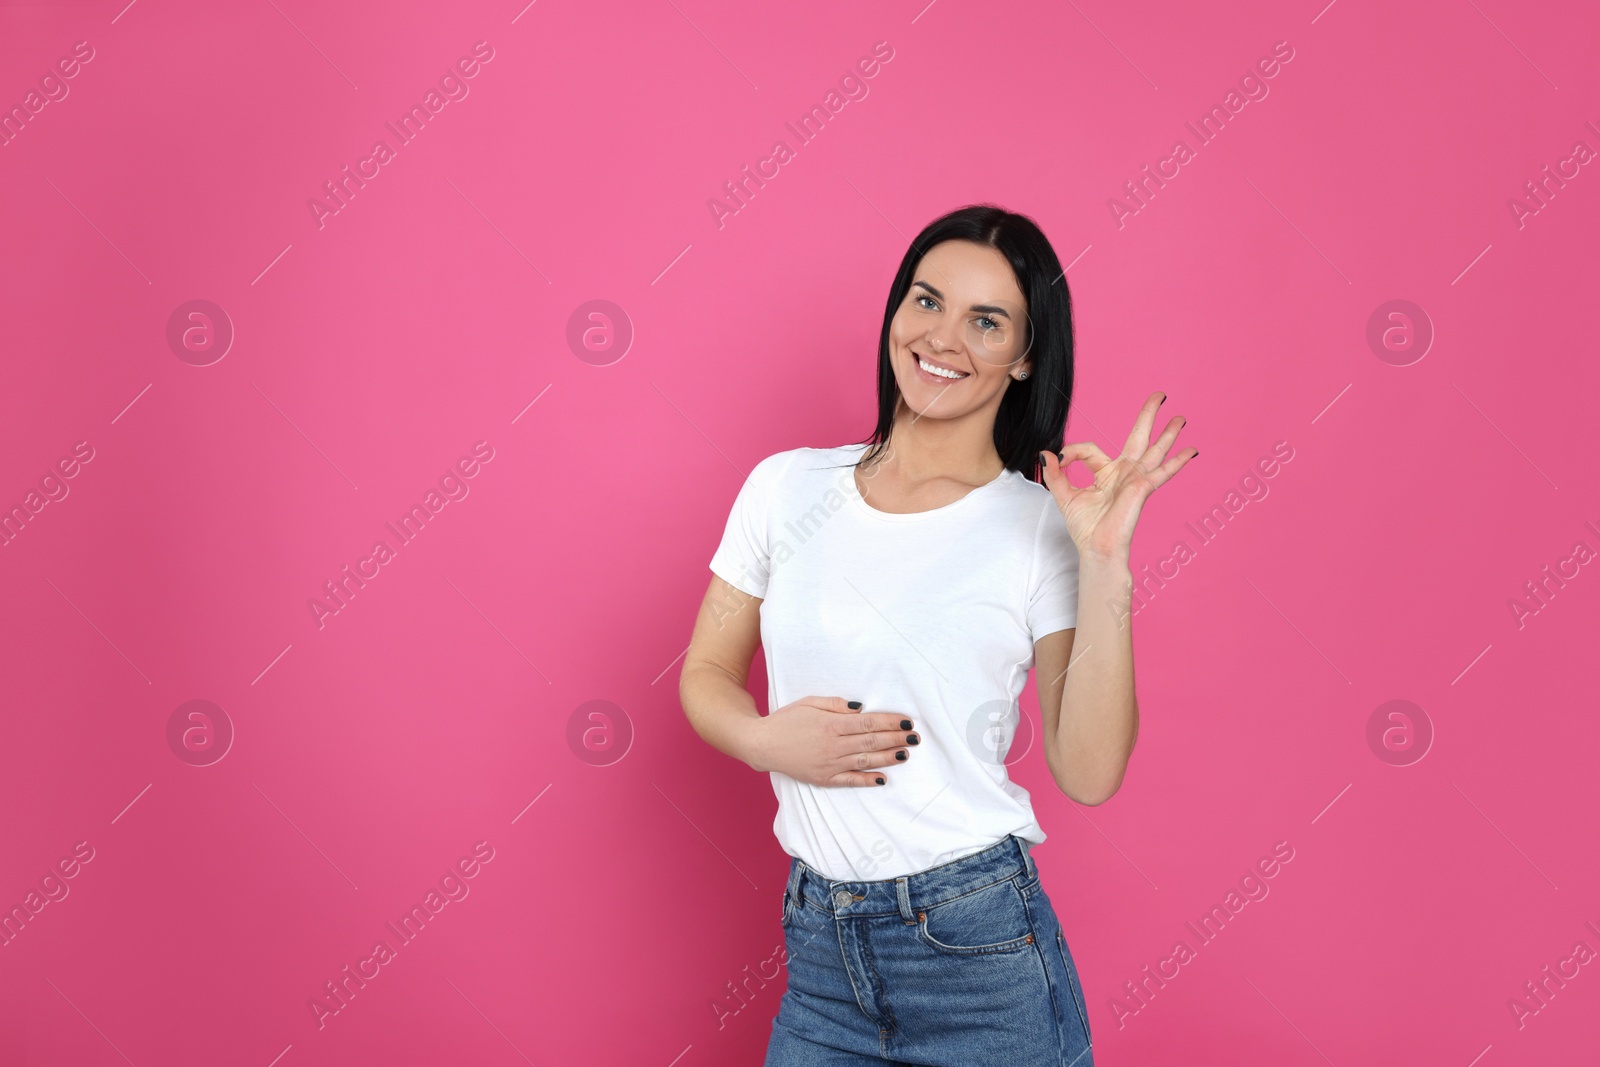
(825, 741)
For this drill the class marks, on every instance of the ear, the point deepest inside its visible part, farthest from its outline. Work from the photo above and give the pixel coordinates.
(1024, 363)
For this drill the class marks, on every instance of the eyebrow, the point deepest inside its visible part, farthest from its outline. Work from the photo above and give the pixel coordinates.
(986, 308)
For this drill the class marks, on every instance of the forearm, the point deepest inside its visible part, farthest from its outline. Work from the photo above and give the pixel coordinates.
(1099, 717)
(722, 712)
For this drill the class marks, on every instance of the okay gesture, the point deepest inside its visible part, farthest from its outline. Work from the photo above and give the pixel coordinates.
(1100, 517)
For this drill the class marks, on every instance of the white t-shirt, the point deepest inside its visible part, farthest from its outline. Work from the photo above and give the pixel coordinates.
(930, 615)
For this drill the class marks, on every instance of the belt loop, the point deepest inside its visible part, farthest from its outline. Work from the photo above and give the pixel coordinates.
(1027, 858)
(902, 895)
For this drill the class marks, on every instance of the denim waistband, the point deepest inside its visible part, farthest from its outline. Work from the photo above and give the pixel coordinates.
(903, 896)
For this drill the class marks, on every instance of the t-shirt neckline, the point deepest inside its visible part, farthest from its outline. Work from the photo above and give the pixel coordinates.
(914, 516)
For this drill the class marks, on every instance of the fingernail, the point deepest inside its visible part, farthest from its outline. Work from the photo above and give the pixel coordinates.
(905, 724)
(880, 781)
(1163, 399)
(855, 705)
(900, 756)
(913, 739)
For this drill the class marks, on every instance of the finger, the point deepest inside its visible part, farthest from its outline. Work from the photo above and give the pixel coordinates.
(878, 741)
(1052, 476)
(1053, 472)
(1139, 436)
(886, 722)
(868, 761)
(1172, 466)
(1158, 448)
(851, 744)
(873, 779)
(835, 704)
(862, 722)
(1088, 453)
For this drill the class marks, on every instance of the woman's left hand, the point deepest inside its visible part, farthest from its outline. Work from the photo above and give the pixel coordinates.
(1100, 517)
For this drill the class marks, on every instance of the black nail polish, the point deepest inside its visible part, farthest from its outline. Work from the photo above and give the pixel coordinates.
(905, 724)
(855, 705)
(913, 739)
(880, 781)
(900, 755)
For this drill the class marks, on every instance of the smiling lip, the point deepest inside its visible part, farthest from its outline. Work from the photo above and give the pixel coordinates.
(919, 359)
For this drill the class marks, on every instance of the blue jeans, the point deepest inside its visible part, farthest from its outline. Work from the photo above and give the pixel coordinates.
(961, 964)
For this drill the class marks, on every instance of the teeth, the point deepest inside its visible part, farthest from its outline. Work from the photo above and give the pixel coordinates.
(940, 371)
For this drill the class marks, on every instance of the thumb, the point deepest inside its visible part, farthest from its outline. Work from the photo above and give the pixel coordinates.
(1050, 470)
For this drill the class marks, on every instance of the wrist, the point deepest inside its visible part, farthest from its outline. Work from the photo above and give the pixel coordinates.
(751, 738)
(1117, 558)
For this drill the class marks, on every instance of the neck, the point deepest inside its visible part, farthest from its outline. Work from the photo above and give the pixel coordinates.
(962, 449)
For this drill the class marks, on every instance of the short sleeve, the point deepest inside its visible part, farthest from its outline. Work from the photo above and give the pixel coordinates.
(1053, 592)
(743, 558)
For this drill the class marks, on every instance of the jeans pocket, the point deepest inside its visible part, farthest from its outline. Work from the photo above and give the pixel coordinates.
(993, 919)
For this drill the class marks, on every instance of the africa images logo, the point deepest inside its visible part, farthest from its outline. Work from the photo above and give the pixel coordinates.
(852, 86)
(1252, 84)
(341, 591)
(452, 87)
(337, 993)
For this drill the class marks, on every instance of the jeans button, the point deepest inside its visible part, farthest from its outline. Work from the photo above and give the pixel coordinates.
(841, 898)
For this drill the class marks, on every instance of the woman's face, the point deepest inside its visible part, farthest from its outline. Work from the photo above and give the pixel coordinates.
(963, 315)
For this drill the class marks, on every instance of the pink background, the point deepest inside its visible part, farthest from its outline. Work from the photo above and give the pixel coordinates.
(634, 874)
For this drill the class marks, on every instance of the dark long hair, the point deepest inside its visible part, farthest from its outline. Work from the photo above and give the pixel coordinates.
(1033, 413)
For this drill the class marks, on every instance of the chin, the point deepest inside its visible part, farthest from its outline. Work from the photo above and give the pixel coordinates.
(927, 405)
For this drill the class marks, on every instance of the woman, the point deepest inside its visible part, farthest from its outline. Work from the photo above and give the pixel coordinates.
(902, 588)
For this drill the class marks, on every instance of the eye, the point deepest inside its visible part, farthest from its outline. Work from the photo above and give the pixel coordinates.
(929, 299)
(993, 325)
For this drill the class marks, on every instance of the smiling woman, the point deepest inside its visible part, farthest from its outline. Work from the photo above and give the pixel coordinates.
(894, 629)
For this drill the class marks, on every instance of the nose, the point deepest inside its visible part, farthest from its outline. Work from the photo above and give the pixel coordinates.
(942, 338)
